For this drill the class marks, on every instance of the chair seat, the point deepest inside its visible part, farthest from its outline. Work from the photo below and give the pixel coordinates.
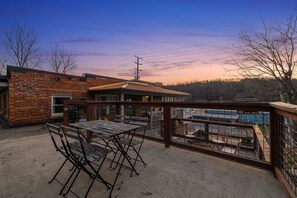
(99, 138)
(93, 152)
(90, 148)
(126, 141)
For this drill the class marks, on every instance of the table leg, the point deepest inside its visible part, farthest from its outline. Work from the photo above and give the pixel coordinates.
(126, 156)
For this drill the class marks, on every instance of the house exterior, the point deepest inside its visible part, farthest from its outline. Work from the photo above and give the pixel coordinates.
(29, 96)
(135, 91)
(33, 96)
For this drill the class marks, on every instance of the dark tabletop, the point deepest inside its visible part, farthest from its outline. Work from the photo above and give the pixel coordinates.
(105, 127)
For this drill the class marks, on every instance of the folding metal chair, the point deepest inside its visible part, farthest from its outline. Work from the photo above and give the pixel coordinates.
(57, 139)
(133, 144)
(85, 155)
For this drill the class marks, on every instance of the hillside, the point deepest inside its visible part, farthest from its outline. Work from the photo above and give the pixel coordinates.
(249, 90)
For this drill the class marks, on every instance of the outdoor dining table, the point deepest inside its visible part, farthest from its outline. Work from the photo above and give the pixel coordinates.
(113, 130)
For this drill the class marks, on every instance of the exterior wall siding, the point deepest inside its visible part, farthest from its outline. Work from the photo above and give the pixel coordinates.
(30, 92)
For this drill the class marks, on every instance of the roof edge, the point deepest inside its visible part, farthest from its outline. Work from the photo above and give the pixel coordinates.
(11, 68)
(87, 75)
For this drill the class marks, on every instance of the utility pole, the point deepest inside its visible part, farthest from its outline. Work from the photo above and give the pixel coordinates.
(137, 77)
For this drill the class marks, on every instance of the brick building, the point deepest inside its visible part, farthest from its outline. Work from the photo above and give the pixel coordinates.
(30, 96)
(34, 96)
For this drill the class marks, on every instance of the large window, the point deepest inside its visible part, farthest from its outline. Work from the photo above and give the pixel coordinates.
(109, 109)
(112, 98)
(58, 103)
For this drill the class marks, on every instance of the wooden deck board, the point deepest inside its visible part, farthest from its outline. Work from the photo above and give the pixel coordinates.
(262, 142)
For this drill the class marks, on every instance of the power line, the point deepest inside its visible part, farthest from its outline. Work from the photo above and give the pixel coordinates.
(175, 52)
(172, 51)
(187, 46)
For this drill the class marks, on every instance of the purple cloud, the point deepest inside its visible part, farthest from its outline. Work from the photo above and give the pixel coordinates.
(82, 40)
(102, 54)
(144, 73)
(86, 40)
(197, 34)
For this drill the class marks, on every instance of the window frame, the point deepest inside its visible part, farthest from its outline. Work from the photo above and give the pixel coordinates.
(52, 104)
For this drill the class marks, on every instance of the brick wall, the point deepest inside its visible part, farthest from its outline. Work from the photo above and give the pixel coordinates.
(29, 97)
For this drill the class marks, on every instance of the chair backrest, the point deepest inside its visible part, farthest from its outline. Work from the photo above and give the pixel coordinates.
(70, 135)
(222, 136)
(139, 121)
(56, 135)
(122, 119)
(74, 142)
(82, 142)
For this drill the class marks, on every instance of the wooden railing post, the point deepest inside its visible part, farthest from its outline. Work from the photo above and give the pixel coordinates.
(167, 126)
(89, 112)
(273, 139)
(118, 109)
(206, 129)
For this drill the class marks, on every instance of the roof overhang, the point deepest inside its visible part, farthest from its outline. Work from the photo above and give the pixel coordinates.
(135, 88)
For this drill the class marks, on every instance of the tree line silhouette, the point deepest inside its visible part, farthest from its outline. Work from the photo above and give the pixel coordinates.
(244, 90)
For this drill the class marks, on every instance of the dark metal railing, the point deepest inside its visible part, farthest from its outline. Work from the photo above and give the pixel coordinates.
(266, 131)
(163, 127)
(285, 146)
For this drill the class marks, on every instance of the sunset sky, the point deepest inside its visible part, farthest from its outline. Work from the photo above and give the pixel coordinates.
(179, 41)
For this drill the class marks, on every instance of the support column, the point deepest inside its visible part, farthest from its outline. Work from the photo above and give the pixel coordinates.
(151, 112)
(167, 126)
(122, 99)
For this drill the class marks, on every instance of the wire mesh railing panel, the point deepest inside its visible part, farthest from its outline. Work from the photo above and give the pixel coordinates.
(76, 112)
(153, 113)
(287, 150)
(239, 133)
(103, 112)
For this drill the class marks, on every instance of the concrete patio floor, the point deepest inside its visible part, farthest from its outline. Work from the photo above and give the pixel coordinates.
(28, 161)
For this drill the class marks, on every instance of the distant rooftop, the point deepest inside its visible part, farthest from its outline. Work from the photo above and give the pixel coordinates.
(137, 86)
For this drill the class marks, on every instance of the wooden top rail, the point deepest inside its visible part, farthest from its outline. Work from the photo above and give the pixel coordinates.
(215, 122)
(284, 107)
(246, 106)
(262, 142)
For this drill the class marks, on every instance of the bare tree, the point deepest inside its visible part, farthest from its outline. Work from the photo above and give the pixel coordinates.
(269, 54)
(61, 60)
(22, 47)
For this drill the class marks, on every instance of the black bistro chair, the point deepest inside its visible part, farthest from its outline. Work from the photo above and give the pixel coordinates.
(134, 145)
(86, 156)
(60, 146)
